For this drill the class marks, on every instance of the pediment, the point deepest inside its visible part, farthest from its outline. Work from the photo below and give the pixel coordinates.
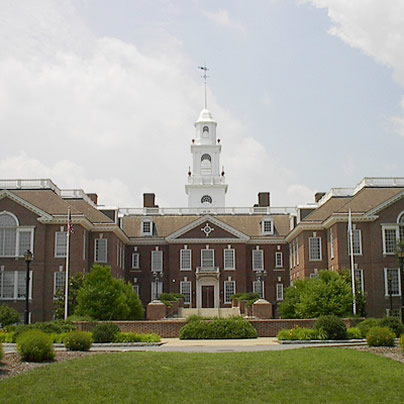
(385, 204)
(207, 228)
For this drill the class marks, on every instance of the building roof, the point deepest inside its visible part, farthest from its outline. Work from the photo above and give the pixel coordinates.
(324, 211)
(91, 213)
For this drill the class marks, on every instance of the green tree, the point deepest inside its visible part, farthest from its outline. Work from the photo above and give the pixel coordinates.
(330, 293)
(8, 315)
(103, 297)
(75, 283)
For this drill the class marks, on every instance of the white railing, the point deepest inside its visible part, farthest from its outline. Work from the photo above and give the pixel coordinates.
(29, 184)
(76, 194)
(335, 192)
(380, 182)
(208, 180)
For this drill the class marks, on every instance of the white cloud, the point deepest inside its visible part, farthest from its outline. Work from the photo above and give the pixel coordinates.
(98, 114)
(222, 18)
(373, 26)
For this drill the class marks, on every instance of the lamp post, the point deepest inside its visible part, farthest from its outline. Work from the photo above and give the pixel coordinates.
(400, 254)
(157, 276)
(261, 275)
(389, 285)
(28, 259)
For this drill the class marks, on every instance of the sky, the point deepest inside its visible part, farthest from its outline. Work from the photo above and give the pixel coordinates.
(102, 95)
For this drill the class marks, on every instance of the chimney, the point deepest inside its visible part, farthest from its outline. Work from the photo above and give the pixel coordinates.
(263, 199)
(318, 196)
(149, 201)
(93, 197)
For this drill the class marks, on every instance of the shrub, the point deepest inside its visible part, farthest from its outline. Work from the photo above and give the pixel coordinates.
(48, 327)
(8, 315)
(219, 328)
(366, 325)
(58, 338)
(8, 337)
(250, 297)
(78, 341)
(35, 346)
(332, 325)
(402, 342)
(380, 336)
(394, 323)
(354, 333)
(301, 334)
(126, 337)
(105, 332)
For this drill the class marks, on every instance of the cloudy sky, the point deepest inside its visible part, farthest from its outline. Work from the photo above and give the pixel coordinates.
(102, 95)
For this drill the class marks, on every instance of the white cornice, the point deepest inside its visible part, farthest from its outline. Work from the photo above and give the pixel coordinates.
(343, 218)
(302, 227)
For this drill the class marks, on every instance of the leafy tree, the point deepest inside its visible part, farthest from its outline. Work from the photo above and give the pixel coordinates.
(75, 283)
(103, 297)
(8, 315)
(330, 293)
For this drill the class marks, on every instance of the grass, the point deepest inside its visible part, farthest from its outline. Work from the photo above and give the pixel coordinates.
(304, 375)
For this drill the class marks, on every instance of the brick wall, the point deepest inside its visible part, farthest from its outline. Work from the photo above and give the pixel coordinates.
(171, 328)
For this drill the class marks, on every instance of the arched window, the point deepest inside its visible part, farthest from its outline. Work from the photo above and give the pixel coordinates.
(206, 200)
(205, 130)
(14, 239)
(206, 164)
(401, 226)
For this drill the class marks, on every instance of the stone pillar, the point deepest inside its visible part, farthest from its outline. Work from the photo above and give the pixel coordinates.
(262, 309)
(155, 310)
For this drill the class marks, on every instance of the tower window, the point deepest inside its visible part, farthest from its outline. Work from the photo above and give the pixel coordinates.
(206, 200)
(206, 156)
(205, 129)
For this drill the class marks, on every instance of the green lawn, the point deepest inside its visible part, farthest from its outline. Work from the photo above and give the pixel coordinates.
(303, 375)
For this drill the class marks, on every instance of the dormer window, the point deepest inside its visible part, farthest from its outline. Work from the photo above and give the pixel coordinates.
(267, 226)
(147, 227)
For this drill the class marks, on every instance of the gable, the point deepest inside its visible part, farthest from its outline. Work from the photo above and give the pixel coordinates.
(207, 228)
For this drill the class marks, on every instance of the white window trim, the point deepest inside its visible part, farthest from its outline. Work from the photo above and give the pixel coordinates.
(228, 301)
(271, 232)
(182, 283)
(55, 274)
(321, 256)
(136, 288)
(106, 251)
(386, 286)
(278, 254)
(56, 243)
(182, 267)
(262, 294)
(331, 233)
(233, 252)
(262, 260)
(154, 268)
(150, 232)
(213, 257)
(135, 265)
(362, 282)
(279, 291)
(15, 286)
(159, 289)
(359, 231)
(396, 228)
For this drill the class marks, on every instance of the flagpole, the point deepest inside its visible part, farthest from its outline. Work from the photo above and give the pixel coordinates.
(67, 265)
(352, 263)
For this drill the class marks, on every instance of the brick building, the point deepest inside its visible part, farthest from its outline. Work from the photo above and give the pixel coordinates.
(205, 251)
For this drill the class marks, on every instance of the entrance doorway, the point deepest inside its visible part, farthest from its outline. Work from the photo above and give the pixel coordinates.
(208, 297)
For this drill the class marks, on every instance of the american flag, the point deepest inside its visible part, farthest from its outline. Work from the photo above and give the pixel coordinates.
(70, 227)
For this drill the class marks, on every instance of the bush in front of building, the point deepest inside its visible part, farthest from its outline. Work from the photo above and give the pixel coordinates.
(168, 298)
(301, 334)
(366, 325)
(250, 297)
(333, 327)
(354, 333)
(402, 342)
(1, 352)
(394, 323)
(7, 337)
(218, 328)
(8, 315)
(128, 337)
(48, 327)
(380, 336)
(78, 341)
(35, 346)
(105, 332)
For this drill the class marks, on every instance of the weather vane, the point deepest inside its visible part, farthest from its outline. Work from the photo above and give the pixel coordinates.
(205, 76)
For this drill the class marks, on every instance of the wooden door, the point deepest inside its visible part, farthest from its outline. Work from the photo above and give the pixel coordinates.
(208, 297)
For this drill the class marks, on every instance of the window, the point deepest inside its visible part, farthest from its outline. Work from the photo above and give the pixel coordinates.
(278, 259)
(135, 288)
(359, 285)
(331, 235)
(135, 260)
(390, 237)
(157, 261)
(186, 290)
(401, 227)
(100, 254)
(185, 260)
(205, 130)
(229, 258)
(14, 239)
(297, 252)
(147, 227)
(206, 156)
(206, 200)
(207, 258)
(258, 287)
(267, 226)
(229, 291)
(58, 281)
(314, 249)
(279, 291)
(60, 243)
(258, 260)
(84, 245)
(356, 242)
(13, 285)
(392, 281)
(156, 290)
